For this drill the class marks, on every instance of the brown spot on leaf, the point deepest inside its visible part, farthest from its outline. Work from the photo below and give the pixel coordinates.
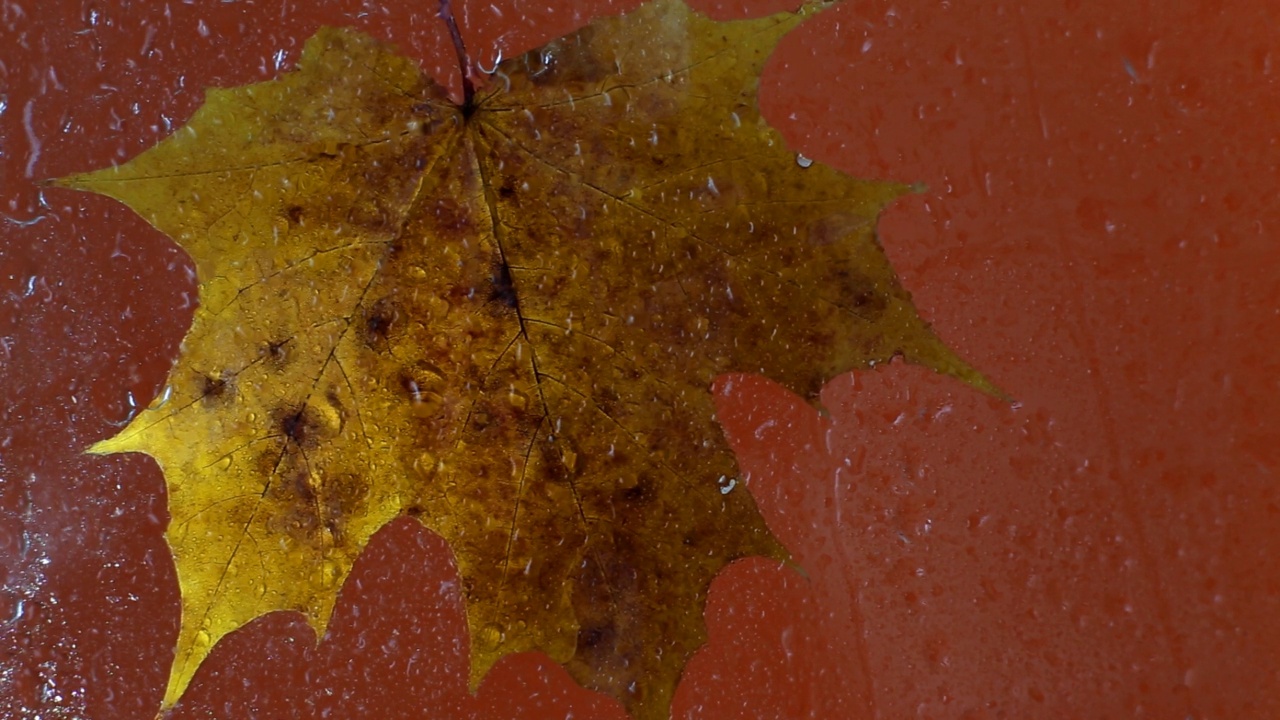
(597, 639)
(215, 389)
(344, 498)
(504, 288)
(837, 227)
(861, 295)
(306, 427)
(302, 487)
(276, 353)
(638, 490)
(379, 320)
(296, 428)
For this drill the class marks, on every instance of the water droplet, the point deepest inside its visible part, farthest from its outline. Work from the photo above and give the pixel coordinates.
(328, 414)
(518, 400)
(225, 463)
(569, 456)
(426, 466)
(491, 636)
(803, 161)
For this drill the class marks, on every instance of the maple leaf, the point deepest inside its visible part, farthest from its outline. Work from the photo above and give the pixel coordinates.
(502, 318)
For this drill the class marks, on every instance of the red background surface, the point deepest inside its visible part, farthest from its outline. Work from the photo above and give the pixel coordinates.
(1098, 236)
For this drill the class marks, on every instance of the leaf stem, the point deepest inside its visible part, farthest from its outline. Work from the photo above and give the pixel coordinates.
(464, 61)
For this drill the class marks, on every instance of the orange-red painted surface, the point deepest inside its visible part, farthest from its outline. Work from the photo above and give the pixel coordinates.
(1099, 235)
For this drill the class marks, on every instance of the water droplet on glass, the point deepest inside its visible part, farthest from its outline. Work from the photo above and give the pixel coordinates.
(490, 636)
(426, 466)
(803, 161)
(570, 457)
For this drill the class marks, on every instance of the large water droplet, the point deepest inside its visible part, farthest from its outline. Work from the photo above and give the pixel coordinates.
(518, 399)
(491, 636)
(426, 466)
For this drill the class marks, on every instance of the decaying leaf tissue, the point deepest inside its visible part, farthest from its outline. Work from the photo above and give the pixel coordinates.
(502, 318)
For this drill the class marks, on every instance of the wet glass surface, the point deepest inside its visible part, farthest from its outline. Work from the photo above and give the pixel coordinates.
(1097, 236)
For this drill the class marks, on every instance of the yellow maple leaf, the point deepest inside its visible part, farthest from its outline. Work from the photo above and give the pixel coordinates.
(503, 319)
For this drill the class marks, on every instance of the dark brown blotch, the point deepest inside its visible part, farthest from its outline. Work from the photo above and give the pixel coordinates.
(639, 492)
(266, 461)
(374, 218)
(299, 427)
(298, 523)
(503, 290)
(302, 487)
(344, 497)
(861, 295)
(379, 320)
(294, 427)
(337, 151)
(597, 638)
(275, 353)
(295, 515)
(293, 214)
(481, 418)
(553, 469)
(215, 389)
(607, 399)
